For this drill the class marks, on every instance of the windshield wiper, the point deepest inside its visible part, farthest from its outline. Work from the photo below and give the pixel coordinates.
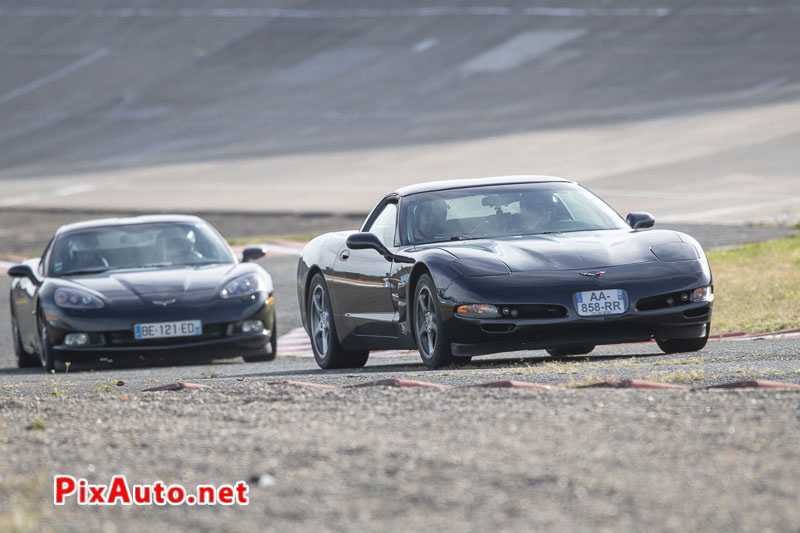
(87, 271)
(465, 238)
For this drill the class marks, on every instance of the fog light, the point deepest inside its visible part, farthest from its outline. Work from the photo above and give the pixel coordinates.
(249, 326)
(703, 294)
(684, 297)
(76, 339)
(480, 310)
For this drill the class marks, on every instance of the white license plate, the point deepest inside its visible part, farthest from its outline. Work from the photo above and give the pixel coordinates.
(159, 330)
(596, 303)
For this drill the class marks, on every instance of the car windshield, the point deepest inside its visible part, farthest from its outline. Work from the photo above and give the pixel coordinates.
(504, 211)
(137, 246)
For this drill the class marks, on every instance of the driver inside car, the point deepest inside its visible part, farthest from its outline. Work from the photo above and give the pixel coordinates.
(535, 212)
(178, 247)
(431, 218)
(83, 253)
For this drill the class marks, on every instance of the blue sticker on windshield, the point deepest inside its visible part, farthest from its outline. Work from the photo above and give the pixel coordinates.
(59, 264)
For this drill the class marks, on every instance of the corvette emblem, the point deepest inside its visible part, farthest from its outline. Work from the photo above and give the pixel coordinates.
(164, 303)
(593, 275)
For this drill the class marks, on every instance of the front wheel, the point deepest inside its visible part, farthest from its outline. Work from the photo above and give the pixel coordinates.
(682, 345)
(267, 355)
(47, 356)
(432, 341)
(324, 342)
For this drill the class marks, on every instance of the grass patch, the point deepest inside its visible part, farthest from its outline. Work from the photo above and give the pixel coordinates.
(36, 424)
(757, 286)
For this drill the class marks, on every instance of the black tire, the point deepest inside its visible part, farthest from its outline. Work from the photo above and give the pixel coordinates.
(324, 342)
(571, 350)
(266, 355)
(684, 345)
(24, 359)
(426, 318)
(47, 356)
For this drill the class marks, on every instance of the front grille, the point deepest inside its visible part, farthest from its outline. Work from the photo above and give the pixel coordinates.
(663, 301)
(126, 338)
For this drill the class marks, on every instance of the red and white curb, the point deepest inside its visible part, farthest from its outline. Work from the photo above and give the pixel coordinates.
(296, 343)
(625, 384)
(409, 383)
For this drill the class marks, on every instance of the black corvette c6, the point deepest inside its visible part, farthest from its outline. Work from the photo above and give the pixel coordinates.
(470, 267)
(155, 284)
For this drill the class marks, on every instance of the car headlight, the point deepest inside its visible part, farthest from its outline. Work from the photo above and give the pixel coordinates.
(76, 299)
(703, 294)
(244, 286)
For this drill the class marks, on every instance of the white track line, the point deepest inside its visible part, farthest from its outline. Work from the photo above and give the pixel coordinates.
(519, 49)
(479, 11)
(60, 73)
(713, 213)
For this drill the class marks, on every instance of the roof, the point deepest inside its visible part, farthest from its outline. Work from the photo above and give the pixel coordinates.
(432, 186)
(145, 219)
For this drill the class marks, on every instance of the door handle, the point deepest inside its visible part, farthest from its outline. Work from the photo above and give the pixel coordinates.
(344, 255)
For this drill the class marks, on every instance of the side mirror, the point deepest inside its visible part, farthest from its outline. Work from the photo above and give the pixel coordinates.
(369, 241)
(640, 220)
(23, 271)
(252, 253)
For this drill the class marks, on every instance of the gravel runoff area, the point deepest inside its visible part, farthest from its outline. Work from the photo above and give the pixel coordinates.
(384, 459)
(391, 459)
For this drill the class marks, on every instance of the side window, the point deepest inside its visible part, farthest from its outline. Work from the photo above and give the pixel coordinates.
(385, 224)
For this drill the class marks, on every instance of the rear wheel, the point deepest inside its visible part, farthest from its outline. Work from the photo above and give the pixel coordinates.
(24, 359)
(432, 341)
(571, 350)
(684, 345)
(324, 342)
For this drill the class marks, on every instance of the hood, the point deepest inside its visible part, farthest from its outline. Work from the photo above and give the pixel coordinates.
(565, 251)
(182, 283)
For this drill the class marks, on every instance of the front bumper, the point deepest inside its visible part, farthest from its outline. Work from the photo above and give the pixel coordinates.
(111, 333)
(484, 336)
(640, 322)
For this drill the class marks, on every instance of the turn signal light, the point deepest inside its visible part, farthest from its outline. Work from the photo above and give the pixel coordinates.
(703, 294)
(481, 310)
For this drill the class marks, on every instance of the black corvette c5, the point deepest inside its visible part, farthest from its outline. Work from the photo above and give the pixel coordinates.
(162, 285)
(462, 268)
